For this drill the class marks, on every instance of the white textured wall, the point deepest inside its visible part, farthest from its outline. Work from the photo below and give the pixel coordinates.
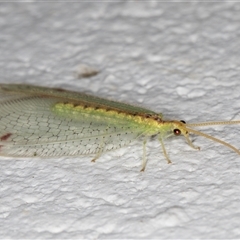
(181, 59)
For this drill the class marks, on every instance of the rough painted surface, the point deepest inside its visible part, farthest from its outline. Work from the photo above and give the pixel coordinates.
(181, 59)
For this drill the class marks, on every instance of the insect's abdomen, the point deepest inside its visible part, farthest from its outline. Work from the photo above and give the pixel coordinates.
(30, 127)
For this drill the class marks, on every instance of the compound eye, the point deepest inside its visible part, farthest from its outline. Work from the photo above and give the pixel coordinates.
(182, 121)
(176, 131)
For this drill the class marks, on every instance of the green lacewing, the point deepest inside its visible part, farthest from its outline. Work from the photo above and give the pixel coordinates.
(45, 122)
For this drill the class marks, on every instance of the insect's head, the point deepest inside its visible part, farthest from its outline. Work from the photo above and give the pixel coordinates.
(178, 128)
(182, 128)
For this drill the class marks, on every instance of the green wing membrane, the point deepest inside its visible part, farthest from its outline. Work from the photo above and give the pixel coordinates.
(29, 127)
(73, 96)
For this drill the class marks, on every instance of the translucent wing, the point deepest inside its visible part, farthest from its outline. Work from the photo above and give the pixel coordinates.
(29, 126)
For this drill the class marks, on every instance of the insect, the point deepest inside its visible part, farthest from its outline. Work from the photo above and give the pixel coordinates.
(44, 122)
